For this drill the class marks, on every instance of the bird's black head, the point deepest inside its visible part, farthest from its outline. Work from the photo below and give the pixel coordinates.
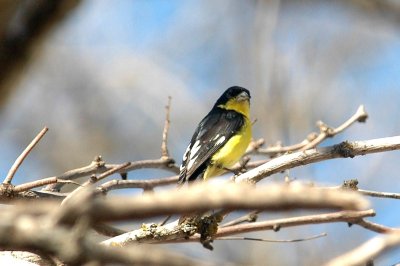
(235, 92)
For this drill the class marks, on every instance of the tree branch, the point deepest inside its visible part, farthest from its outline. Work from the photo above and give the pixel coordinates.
(203, 197)
(343, 216)
(328, 132)
(164, 143)
(147, 184)
(367, 251)
(343, 150)
(99, 166)
(23, 155)
(313, 139)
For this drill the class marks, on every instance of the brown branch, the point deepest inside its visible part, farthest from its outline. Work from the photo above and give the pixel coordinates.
(368, 251)
(170, 233)
(93, 180)
(73, 246)
(379, 194)
(250, 218)
(254, 146)
(343, 150)
(148, 184)
(272, 240)
(23, 155)
(343, 216)
(203, 197)
(378, 228)
(353, 185)
(279, 149)
(112, 171)
(40, 183)
(313, 139)
(328, 132)
(99, 166)
(164, 143)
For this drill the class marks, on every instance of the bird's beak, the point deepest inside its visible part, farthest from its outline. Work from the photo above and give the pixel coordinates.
(243, 96)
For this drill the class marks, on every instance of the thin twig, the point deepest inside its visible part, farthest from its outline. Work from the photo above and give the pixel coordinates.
(250, 218)
(379, 194)
(328, 132)
(279, 149)
(378, 228)
(23, 155)
(254, 146)
(272, 240)
(343, 216)
(147, 184)
(352, 184)
(313, 139)
(164, 143)
(99, 166)
(107, 173)
(93, 180)
(40, 183)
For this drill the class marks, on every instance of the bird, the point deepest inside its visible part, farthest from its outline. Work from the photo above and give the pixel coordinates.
(220, 139)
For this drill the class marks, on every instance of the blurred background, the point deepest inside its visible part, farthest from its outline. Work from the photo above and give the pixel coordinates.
(99, 73)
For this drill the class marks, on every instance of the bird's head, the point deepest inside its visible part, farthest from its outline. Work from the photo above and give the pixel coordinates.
(235, 98)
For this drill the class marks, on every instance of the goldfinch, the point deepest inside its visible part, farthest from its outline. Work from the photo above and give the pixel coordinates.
(220, 139)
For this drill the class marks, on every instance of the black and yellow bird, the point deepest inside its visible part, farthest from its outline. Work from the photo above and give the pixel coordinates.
(220, 139)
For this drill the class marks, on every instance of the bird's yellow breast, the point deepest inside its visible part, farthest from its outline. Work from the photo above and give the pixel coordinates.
(231, 152)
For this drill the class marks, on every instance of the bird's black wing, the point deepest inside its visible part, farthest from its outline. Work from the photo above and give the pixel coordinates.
(211, 134)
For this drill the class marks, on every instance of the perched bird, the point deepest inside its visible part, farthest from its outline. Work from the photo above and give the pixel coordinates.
(220, 139)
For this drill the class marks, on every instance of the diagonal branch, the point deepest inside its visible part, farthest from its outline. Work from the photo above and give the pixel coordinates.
(23, 155)
(367, 251)
(313, 139)
(328, 132)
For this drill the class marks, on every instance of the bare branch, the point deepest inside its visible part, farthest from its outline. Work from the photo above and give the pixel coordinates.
(367, 251)
(342, 150)
(250, 218)
(164, 143)
(313, 139)
(93, 180)
(343, 216)
(254, 146)
(328, 132)
(112, 171)
(73, 246)
(147, 184)
(172, 233)
(378, 228)
(99, 166)
(278, 149)
(379, 194)
(23, 155)
(203, 197)
(40, 183)
(272, 240)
